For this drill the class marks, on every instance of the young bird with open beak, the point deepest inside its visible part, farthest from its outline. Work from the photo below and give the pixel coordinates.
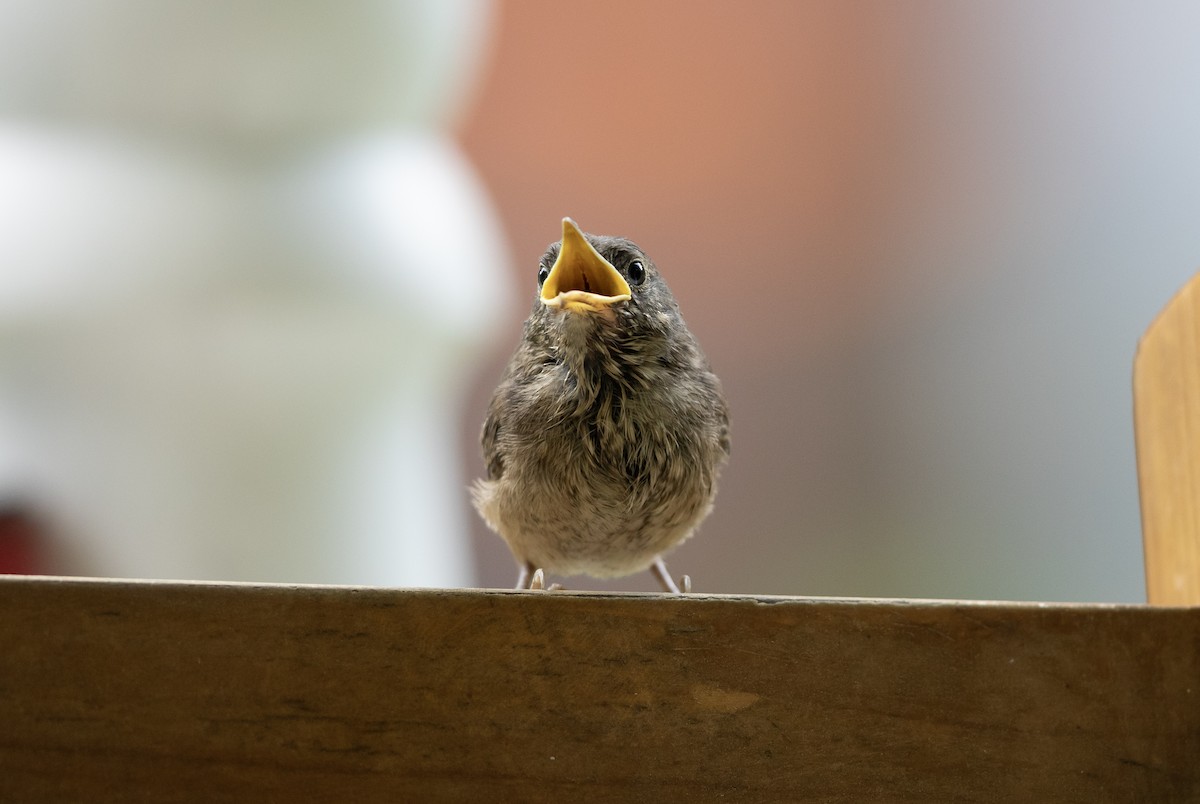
(605, 437)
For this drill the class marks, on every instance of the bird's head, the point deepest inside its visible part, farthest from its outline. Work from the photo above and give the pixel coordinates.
(589, 279)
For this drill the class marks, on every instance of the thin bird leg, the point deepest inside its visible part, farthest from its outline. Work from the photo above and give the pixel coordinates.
(525, 575)
(659, 570)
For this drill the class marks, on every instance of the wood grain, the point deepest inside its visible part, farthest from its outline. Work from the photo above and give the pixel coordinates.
(171, 692)
(1166, 393)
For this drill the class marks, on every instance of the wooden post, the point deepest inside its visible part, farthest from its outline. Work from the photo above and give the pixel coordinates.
(1166, 395)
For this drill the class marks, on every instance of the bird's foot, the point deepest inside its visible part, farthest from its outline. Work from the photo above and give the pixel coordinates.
(538, 582)
(659, 570)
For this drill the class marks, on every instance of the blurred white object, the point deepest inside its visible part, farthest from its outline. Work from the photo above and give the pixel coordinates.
(245, 273)
(224, 72)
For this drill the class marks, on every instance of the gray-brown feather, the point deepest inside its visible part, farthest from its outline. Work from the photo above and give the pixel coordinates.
(604, 438)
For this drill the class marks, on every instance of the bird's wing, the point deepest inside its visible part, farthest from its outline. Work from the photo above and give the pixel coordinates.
(723, 411)
(722, 420)
(493, 458)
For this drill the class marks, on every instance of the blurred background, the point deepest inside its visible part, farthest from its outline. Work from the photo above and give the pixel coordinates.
(262, 267)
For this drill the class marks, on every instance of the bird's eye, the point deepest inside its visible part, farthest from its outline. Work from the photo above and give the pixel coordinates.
(543, 272)
(637, 272)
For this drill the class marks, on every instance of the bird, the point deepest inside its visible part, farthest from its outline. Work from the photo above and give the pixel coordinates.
(604, 440)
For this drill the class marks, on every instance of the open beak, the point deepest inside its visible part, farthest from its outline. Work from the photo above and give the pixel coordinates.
(581, 280)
